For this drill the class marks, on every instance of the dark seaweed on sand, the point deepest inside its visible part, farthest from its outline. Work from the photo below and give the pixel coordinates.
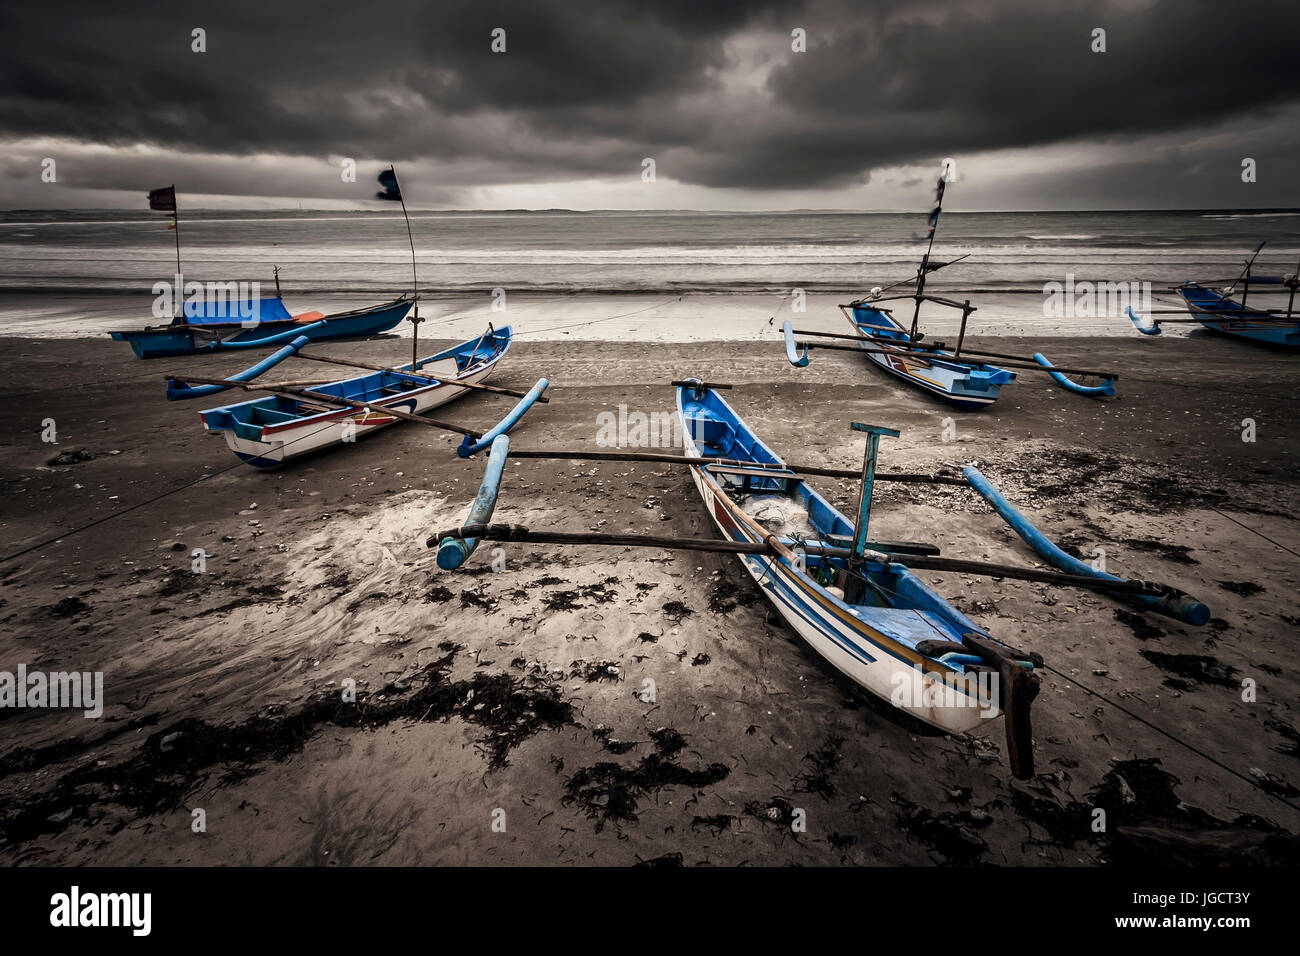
(717, 823)
(562, 601)
(668, 742)
(610, 792)
(778, 812)
(952, 834)
(825, 760)
(173, 761)
(592, 671)
(475, 599)
(606, 737)
(438, 594)
(1244, 588)
(668, 859)
(675, 611)
(1142, 629)
(1198, 667)
(1146, 822)
(726, 596)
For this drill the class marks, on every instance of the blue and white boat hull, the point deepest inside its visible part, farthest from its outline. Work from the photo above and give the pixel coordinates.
(180, 340)
(267, 433)
(874, 646)
(969, 386)
(1220, 314)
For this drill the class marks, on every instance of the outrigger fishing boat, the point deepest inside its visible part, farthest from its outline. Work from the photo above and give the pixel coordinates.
(300, 417)
(1217, 311)
(960, 375)
(225, 324)
(225, 318)
(855, 600)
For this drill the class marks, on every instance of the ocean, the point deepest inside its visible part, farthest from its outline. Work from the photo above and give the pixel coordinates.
(106, 252)
(649, 276)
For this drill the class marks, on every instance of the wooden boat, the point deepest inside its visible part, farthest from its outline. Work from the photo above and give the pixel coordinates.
(1218, 311)
(855, 601)
(295, 421)
(965, 384)
(203, 326)
(874, 621)
(960, 375)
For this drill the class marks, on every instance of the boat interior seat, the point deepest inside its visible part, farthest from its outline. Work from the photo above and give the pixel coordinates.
(272, 416)
(754, 479)
(710, 431)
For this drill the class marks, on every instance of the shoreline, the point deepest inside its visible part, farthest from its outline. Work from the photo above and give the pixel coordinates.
(666, 317)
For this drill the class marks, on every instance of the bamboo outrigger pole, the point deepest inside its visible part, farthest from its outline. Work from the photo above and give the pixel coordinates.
(1010, 361)
(913, 558)
(352, 363)
(778, 471)
(290, 392)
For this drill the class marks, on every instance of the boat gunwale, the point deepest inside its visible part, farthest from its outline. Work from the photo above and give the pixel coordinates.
(471, 374)
(940, 358)
(269, 324)
(842, 610)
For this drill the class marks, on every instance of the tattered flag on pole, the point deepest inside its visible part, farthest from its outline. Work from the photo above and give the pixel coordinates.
(388, 179)
(938, 204)
(164, 200)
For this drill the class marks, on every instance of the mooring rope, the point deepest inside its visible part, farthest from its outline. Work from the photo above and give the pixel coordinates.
(1174, 737)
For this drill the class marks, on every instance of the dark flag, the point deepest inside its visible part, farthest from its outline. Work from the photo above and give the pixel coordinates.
(164, 200)
(388, 179)
(938, 204)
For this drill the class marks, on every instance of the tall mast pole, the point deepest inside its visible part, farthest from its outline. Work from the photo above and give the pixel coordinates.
(925, 259)
(176, 226)
(415, 320)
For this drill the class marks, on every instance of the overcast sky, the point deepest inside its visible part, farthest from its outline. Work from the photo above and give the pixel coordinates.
(712, 91)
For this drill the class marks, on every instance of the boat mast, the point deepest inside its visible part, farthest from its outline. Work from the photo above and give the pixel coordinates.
(1245, 274)
(176, 225)
(394, 191)
(925, 259)
(1291, 282)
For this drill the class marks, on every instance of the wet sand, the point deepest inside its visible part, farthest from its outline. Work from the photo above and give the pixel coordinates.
(491, 699)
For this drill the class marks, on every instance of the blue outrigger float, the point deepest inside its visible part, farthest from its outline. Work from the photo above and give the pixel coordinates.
(960, 375)
(854, 600)
(300, 417)
(1216, 310)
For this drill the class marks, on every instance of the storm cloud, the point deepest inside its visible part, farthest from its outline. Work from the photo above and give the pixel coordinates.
(586, 89)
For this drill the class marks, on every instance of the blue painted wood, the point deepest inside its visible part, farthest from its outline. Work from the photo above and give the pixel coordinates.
(276, 339)
(266, 432)
(1218, 313)
(791, 352)
(869, 457)
(177, 389)
(1106, 388)
(1146, 328)
(968, 385)
(168, 340)
(469, 446)
(453, 552)
(1182, 607)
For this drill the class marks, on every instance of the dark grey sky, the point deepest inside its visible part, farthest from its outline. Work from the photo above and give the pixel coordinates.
(712, 91)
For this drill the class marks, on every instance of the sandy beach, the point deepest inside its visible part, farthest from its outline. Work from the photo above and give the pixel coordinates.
(497, 718)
